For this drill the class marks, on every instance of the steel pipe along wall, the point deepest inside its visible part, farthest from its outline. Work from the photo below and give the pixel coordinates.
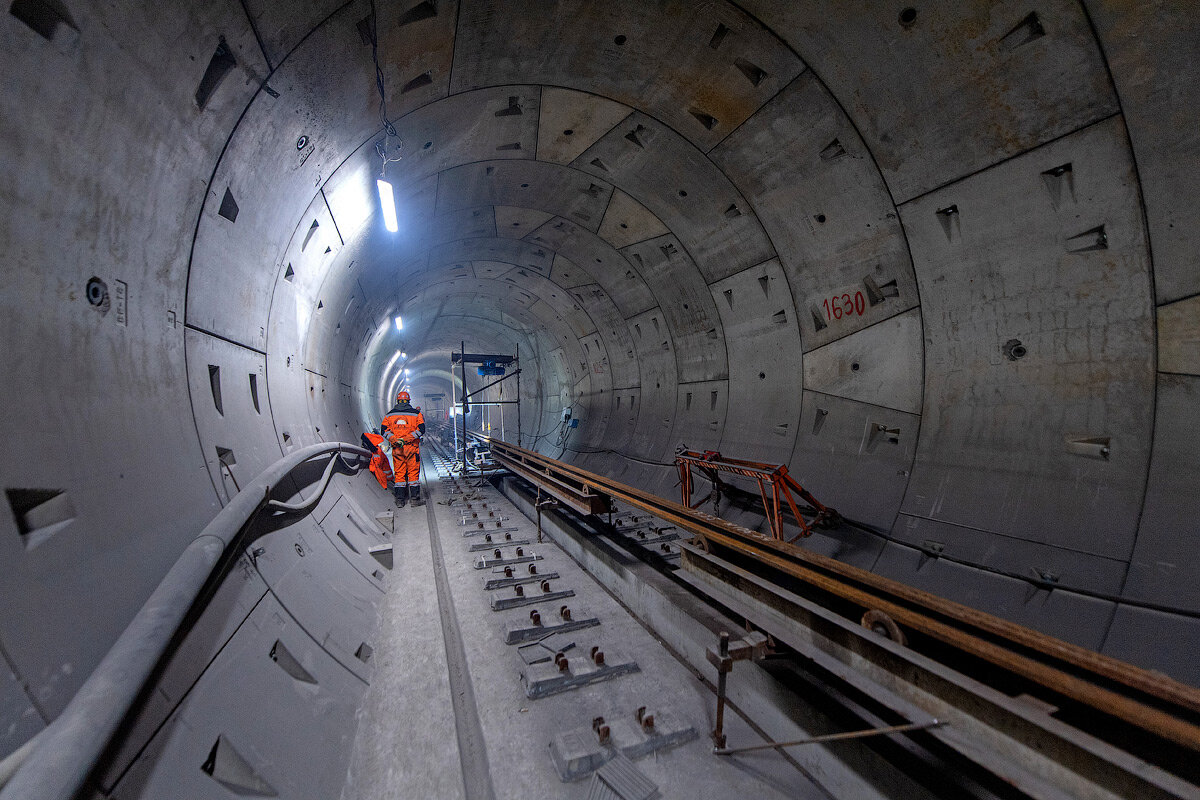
(939, 260)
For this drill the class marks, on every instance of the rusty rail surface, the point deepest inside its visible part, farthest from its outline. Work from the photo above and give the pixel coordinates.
(1149, 702)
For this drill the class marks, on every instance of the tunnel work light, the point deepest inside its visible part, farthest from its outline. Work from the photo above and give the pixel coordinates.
(387, 202)
(399, 323)
(392, 362)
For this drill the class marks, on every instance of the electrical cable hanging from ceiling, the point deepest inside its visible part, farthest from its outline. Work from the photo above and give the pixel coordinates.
(389, 130)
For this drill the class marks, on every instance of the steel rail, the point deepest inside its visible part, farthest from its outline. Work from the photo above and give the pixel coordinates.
(68, 749)
(1149, 701)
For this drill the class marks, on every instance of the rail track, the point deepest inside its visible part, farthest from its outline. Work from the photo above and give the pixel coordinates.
(1050, 717)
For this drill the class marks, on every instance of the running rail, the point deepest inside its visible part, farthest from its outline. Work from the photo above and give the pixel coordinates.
(65, 752)
(1143, 706)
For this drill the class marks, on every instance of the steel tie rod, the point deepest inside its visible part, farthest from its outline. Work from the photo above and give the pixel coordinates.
(834, 737)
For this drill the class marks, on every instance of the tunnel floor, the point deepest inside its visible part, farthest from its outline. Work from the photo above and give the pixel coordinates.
(448, 713)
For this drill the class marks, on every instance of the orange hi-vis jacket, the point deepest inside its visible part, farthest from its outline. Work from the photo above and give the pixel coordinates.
(379, 463)
(404, 426)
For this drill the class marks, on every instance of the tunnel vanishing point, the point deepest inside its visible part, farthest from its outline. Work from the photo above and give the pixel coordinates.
(941, 260)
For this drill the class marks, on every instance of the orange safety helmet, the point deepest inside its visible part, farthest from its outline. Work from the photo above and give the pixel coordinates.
(402, 397)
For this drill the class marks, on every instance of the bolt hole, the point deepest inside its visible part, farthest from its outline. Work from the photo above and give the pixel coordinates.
(619, 40)
(1013, 350)
(524, 185)
(762, 376)
(821, 218)
(908, 16)
(568, 132)
(97, 291)
(623, 225)
(427, 145)
(854, 367)
(682, 193)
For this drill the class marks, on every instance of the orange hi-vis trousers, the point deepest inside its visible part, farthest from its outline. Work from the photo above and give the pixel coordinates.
(406, 461)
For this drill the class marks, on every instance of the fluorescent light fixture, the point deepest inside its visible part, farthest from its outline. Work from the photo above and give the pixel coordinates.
(387, 202)
(399, 323)
(392, 362)
(452, 411)
(404, 355)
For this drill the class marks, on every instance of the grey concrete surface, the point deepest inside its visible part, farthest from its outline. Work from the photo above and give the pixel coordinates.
(774, 228)
(392, 748)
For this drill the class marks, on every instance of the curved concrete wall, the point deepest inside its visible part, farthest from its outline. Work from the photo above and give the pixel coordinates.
(942, 264)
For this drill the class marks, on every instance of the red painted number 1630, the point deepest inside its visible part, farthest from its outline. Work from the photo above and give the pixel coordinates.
(844, 305)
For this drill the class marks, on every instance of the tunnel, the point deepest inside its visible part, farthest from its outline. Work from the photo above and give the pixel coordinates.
(939, 259)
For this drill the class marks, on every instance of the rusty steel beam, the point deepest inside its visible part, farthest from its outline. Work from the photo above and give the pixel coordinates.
(573, 493)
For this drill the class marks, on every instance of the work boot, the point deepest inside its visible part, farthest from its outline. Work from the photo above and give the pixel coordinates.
(401, 493)
(416, 495)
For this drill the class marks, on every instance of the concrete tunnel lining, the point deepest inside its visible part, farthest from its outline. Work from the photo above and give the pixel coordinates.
(664, 270)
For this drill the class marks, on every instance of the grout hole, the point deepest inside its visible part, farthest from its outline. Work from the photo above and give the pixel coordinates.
(364, 31)
(229, 206)
(39, 513)
(219, 65)
(214, 384)
(718, 36)
(41, 16)
(424, 79)
(424, 10)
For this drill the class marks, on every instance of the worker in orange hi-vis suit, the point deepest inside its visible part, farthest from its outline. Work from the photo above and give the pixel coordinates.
(379, 467)
(404, 426)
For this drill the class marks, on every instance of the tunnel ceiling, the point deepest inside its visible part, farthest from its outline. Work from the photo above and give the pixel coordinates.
(938, 259)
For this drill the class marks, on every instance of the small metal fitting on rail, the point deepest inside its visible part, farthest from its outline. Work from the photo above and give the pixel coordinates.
(508, 537)
(497, 552)
(535, 617)
(520, 552)
(508, 573)
(487, 537)
(645, 720)
(752, 646)
(545, 586)
(602, 731)
(520, 590)
(561, 662)
(597, 656)
(881, 623)
(533, 569)
(565, 613)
